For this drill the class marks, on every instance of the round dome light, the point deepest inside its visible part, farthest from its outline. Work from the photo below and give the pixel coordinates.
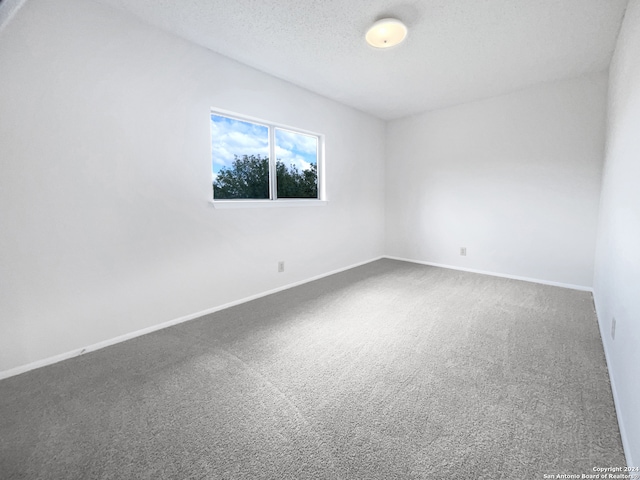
(386, 33)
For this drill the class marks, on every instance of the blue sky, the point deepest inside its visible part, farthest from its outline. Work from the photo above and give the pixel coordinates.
(231, 137)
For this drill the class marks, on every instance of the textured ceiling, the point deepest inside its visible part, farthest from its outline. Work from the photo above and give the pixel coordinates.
(456, 51)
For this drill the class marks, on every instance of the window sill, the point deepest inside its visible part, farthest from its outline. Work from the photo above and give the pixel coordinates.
(266, 203)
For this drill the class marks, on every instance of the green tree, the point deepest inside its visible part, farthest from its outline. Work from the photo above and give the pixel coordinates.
(248, 177)
(293, 183)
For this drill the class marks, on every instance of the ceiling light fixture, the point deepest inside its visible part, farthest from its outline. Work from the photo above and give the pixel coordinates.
(386, 33)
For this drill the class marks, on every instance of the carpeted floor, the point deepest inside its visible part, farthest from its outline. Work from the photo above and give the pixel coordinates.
(387, 371)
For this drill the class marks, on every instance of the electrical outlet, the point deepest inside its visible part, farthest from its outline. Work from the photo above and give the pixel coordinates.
(613, 328)
(281, 266)
(463, 251)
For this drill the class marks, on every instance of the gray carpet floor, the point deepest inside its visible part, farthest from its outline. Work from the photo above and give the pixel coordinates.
(386, 371)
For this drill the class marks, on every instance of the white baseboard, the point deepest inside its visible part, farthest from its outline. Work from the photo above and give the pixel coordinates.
(97, 346)
(614, 391)
(495, 274)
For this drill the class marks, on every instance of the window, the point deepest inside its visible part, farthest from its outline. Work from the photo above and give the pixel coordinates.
(255, 160)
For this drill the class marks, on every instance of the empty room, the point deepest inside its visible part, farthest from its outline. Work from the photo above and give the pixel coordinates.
(285, 239)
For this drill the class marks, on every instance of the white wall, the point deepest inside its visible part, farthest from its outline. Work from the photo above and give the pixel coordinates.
(106, 176)
(617, 272)
(515, 179)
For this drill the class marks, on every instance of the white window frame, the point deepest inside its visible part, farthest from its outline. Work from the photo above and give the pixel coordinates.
(273, 200)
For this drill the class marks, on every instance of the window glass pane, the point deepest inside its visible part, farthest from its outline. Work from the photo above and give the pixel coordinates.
(296, 164)
(240, 158)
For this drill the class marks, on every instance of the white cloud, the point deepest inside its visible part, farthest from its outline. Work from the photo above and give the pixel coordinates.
(230, 138)
(291, 158)
(296, 149)
(297, 141)
(301, 164)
